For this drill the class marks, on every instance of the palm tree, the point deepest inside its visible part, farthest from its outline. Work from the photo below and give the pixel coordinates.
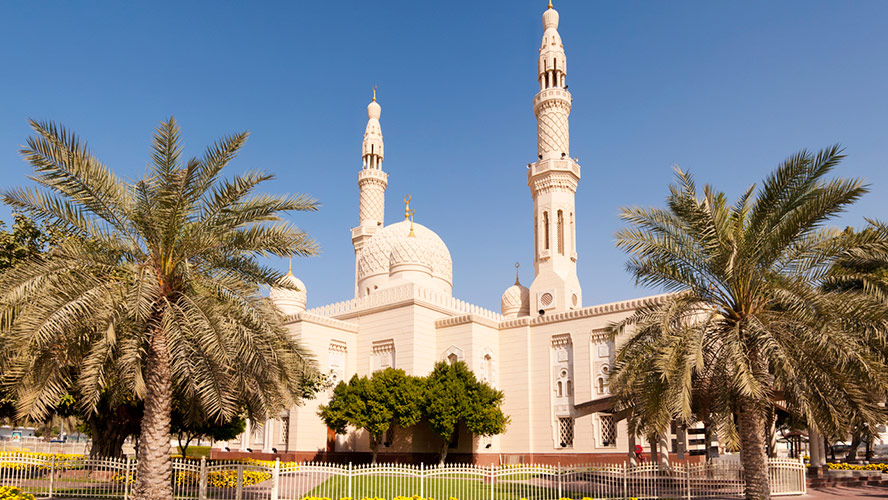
(159, 278)
(747, 305)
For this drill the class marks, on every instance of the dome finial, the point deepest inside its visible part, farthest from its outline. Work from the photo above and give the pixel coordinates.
(550, 4)
(374, 87)
(407, 207)
(290, 267)
(517, 265)
(411, 235)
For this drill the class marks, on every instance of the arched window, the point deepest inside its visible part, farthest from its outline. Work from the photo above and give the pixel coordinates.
(600, 385)
(546, 230)
(569, 388)
(488, 368)
(561, 232)
(558, 389)
(452, 358)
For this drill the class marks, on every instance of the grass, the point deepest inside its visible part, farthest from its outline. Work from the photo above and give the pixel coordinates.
(438, 488)
(196, 451)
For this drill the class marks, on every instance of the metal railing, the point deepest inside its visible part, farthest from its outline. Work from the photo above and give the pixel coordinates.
(75, 476)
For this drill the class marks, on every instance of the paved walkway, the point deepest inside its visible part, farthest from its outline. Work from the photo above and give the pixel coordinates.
(835, 492)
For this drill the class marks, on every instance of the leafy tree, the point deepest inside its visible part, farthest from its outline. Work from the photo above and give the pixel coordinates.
(453, 396)
(164, 272)
(748, 304)
(389, 397)
(26, 240)
(187, 429)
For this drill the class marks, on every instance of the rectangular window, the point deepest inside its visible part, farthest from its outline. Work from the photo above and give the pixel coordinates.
(608, 430)
(546, 230)
(560, 232)
(566, 432)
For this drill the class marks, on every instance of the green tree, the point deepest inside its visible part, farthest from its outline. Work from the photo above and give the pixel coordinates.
(187, 428)
(453, 396)
(748, 304)
(164, 272)
(389, 397)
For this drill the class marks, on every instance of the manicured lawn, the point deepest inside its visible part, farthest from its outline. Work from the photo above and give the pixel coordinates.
(466, 487)
(197, 451)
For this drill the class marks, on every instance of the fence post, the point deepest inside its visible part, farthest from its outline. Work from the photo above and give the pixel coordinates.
(625, 481)
(202, 481)
(421, 480)
(239, 491)
(492, 481)
(276, 479)
(688, 472)
(51, 473)
(127, 479)
(350, 480)
(558, 476)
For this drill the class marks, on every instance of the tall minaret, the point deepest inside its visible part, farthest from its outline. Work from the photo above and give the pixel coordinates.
(372, 182)
(553, 180)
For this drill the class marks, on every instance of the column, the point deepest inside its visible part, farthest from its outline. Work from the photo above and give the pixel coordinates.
(245, 437)
(268, 441)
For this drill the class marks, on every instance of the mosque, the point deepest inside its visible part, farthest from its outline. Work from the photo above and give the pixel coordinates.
(545, 350)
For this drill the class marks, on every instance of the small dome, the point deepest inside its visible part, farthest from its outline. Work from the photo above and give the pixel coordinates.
(289, 301)
(374, 110)
(550, 18)
(516, 301)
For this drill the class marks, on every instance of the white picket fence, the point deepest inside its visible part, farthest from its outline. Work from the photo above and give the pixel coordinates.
(76, 477)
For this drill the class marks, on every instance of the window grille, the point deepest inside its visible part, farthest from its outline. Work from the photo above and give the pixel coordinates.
(566, 431)
(608, 430)
(285, 431)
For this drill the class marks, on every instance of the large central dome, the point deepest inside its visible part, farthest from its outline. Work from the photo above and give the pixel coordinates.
(392, 256)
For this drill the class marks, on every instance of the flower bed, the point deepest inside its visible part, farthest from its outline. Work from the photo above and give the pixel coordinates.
(879, 467)
(13, 493)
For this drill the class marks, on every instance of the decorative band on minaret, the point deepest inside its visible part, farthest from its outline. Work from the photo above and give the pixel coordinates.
(553, 181)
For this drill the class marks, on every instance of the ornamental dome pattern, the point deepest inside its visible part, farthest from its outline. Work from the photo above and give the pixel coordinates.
(516, 301)
(377, 256)
(410, 250)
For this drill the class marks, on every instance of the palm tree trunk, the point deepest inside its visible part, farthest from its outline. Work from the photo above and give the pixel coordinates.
(154, 472)
(751, 423)
(852, 450)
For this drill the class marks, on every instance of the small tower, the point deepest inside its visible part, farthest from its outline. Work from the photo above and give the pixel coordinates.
(553, 181)
(372, 182)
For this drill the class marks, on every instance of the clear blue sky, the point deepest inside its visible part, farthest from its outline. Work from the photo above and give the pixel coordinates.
(725, 89)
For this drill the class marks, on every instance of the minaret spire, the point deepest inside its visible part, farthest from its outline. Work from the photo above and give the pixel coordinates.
(553, 181)
(372, 181)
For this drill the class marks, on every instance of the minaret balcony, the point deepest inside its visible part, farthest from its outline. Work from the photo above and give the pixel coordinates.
(552, 93)
(549, 165)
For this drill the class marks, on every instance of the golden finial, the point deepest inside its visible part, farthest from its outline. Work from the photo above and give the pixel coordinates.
(517, 265)
(550, 4)
(411, 235)
(374, 87)
(407, 207)
(290, 267)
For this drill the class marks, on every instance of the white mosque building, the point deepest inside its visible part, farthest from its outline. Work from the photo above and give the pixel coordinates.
(545, 350)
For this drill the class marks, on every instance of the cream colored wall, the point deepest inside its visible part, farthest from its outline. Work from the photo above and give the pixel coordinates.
(307, 430)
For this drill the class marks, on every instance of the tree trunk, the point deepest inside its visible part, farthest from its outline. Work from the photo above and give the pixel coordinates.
(707, 441)
(154, 472)
(374, 447)
(852, 451)
(751, 424)
(443, 454)
(107, 438)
